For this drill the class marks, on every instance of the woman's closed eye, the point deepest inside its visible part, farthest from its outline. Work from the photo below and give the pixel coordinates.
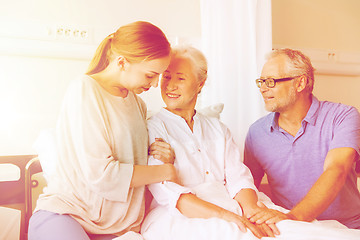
(150, 76)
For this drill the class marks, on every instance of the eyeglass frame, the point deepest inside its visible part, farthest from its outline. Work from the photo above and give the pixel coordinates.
(274, 79)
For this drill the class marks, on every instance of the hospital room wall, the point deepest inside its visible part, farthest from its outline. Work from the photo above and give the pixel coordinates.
(322, 24)
(32, 85)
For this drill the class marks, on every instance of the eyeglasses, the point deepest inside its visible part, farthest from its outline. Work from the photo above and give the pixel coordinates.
(270, 82)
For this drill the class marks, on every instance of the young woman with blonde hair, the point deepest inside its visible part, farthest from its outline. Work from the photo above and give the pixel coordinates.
(97, 189)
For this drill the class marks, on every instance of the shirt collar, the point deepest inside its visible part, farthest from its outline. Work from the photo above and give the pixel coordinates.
(310, 117)
(313, 112)
(173, 115)
(169, 114)
(273, 123)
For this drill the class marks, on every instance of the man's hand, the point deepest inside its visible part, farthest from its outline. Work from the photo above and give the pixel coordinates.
(162, 151)
(262, 215)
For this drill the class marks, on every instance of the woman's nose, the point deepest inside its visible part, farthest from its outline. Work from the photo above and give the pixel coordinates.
(155, 82)
(171, 86)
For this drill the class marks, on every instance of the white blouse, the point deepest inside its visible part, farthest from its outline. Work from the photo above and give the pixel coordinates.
(206, 155)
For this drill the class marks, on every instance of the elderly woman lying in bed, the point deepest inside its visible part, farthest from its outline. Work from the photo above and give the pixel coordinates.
(215, 190)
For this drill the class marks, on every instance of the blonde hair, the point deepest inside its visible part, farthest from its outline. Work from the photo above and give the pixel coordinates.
(137, 41)
(297, 64)
(196, 57)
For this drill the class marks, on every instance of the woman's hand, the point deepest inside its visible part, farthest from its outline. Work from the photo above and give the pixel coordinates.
(243, 223)
(269, 229)
(162, 151)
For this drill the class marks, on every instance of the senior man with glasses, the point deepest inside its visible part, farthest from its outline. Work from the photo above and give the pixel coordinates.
(307, 148)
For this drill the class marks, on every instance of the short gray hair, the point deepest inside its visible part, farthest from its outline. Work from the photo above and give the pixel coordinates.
(197, 58)
(297, 63)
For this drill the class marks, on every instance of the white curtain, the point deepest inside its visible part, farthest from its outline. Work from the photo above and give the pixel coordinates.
(236, 35)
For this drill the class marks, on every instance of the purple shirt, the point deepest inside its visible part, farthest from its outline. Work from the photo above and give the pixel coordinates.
(293, 164)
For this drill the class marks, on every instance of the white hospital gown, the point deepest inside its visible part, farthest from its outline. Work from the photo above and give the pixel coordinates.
(209, 165)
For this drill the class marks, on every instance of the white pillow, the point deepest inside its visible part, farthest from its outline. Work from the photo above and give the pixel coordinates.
(212, 110)
(45, 146)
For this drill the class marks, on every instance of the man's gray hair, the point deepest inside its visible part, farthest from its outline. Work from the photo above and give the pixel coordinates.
(297, 64)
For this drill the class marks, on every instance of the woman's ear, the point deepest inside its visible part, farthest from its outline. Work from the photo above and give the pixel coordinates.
(121, 62)
(201, 85)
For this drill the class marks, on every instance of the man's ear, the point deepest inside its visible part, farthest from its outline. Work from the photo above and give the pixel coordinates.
(301, 83)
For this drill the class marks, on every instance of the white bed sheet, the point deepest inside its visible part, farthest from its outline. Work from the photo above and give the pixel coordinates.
(178, 227)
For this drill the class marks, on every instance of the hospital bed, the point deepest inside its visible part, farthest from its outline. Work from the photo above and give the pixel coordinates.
(17, 186)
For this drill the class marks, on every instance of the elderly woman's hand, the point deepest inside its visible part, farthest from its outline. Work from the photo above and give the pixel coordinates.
(162, 151)
(243, 223)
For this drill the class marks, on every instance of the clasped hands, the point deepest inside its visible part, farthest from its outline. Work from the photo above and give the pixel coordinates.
(162, 151)
(265, 218)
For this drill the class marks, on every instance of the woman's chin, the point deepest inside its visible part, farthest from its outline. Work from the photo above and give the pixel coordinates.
(171, 105)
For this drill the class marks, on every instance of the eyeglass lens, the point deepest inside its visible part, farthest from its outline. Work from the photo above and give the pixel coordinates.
(269, 82)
